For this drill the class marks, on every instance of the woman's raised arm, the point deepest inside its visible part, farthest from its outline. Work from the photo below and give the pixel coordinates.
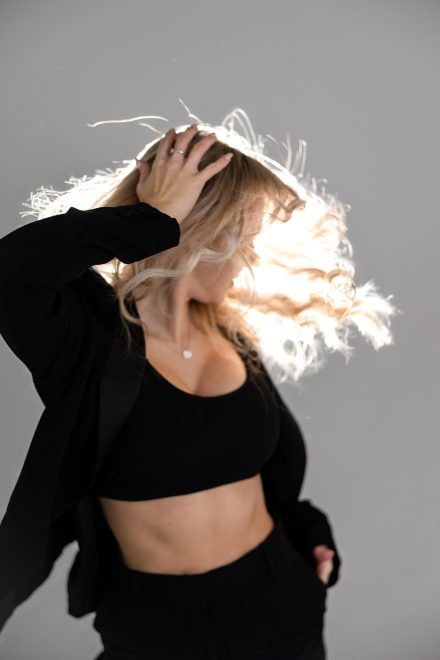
(42, 318)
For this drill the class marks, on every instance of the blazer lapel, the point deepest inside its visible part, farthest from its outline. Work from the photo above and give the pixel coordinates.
(119, 387)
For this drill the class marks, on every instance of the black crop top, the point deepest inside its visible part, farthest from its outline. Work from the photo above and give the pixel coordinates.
(175, 442)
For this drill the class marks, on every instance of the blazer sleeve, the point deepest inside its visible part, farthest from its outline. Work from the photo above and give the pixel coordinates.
(305, 524)
(43, 319)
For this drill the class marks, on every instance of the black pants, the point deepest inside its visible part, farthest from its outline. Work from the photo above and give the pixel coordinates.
(268, 604)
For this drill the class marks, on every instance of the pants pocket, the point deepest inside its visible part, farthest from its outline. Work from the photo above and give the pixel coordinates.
(304, 573)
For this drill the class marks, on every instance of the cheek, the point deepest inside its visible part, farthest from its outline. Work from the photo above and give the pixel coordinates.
(217, 275)
(209, 275)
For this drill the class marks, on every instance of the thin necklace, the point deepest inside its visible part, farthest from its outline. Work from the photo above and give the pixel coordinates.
(185, 352)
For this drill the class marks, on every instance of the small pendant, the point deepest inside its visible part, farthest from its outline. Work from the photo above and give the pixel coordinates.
(187, 354)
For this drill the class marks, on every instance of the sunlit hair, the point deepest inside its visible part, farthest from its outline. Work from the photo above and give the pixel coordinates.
(295, 295)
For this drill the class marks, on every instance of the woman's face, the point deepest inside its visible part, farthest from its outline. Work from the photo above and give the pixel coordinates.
(210, 282)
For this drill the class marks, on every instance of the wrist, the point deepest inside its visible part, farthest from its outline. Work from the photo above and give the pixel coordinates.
(161, 207)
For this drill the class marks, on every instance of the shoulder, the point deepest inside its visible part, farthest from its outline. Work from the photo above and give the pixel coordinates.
(99, 296)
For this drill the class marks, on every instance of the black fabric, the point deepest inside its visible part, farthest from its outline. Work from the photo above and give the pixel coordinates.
(61, 320)
(264, 605)
(175, 442)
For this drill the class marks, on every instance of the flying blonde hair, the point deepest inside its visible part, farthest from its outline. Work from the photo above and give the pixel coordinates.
(295, 296)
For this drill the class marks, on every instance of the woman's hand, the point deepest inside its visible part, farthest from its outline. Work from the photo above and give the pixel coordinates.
(173, 183)
(323, 556)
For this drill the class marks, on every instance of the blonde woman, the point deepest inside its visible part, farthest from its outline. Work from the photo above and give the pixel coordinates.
(165, 449)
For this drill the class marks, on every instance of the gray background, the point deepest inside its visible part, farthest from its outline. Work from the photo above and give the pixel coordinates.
(360, 83)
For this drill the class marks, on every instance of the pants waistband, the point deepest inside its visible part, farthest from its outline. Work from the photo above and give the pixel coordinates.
(260, 560)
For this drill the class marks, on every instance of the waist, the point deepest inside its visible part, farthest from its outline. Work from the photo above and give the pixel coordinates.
(208, 530)
(260, 559)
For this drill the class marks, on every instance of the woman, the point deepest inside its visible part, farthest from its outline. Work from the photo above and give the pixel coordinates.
(207, 551)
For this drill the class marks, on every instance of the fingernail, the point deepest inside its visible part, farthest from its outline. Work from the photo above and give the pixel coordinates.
(229, 155)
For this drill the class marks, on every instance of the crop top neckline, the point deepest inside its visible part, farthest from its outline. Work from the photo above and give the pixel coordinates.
(181, 392)
(133, 309)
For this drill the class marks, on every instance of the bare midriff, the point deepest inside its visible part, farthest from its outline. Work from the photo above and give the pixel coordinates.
(190, 533)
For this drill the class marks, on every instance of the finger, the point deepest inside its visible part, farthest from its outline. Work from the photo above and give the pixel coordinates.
(325, 568)
(322, 550)
(164, 146)
(323, 578)
(215, 167)
(144, 169)
(184, 138)
(195, 156)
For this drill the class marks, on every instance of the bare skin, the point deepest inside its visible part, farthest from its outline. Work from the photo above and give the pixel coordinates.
(198, 531)
(195, 532)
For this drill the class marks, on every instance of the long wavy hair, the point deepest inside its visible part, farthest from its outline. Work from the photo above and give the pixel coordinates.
(295, 296)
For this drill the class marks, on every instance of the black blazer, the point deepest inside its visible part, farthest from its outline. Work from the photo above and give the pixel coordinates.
(61, 319)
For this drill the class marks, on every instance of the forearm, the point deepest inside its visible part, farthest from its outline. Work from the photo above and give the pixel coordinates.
(53, 251)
